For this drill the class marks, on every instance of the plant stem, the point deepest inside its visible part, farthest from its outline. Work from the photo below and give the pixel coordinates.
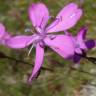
(2, 55)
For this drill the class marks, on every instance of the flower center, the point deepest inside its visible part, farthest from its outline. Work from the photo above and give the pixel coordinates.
(77, 45)
(41, 33)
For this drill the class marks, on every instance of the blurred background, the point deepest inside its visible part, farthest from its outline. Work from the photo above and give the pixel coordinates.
(62, 81)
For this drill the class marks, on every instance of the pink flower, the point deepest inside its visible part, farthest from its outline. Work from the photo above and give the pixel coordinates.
(62, 44)
(81, 44)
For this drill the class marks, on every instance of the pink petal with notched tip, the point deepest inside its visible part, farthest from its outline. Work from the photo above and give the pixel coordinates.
(38, 62)
(66, 19)
(19, 41)
(62, 44)
(38, 14)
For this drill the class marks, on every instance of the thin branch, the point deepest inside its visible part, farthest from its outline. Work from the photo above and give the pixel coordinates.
(91, 59)
(82, 71)
(2, 55)
(75, 69)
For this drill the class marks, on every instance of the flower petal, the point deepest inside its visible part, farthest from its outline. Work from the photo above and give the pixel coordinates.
(66, 19)
(19, 41)
(38, 62)
(2, 30)
(3, 34)
(81, 37)
(38, 14)
(62, 44)
(90, 44)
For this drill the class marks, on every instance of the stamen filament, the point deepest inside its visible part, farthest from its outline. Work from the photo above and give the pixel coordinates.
(56, 22)
(30, 49)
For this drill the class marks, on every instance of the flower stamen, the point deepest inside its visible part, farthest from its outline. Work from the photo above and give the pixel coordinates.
(56, 22)
(30, 49)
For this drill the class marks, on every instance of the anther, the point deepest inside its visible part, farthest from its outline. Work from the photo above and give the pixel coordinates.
(42, 44)
(52, 37)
